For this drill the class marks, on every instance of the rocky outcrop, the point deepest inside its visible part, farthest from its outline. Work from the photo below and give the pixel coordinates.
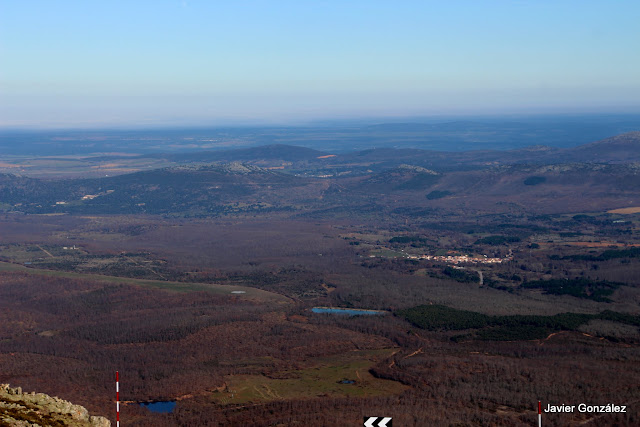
(38, 409)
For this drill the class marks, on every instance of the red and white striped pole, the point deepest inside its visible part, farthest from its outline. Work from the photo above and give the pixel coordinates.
(117, 400)
(539, 414)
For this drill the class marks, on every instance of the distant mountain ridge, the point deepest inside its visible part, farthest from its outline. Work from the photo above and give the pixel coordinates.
(605, 173)
(622, 148)
(303, 161)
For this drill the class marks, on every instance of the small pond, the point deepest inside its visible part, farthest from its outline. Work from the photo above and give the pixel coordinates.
(161, 407)
(347, 311)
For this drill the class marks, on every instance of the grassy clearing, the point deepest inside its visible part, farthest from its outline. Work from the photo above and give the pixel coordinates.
(249, 293)
(387, 253)
(324, 378)
(626, 211)
(34, 253)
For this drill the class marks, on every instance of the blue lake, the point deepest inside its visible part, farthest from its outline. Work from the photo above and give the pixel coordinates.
(347, 311)
(162, 407)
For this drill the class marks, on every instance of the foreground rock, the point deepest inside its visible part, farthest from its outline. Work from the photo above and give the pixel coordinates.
(38, 409)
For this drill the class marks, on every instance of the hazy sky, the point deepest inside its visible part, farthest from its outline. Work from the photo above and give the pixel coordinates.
(91, 63)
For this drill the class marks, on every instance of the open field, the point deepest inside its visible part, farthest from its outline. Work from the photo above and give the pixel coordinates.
(247, 292)
(337, 376)
(78, 166)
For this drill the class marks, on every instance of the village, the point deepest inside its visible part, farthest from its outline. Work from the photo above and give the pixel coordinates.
(461, 259)
(457, 259)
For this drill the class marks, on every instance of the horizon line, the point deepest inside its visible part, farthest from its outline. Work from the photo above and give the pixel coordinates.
(317, 122)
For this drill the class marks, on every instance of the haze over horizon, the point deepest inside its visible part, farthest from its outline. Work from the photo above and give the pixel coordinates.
(186, 63)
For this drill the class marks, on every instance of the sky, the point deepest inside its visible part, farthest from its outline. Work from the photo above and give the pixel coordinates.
(216, 62)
